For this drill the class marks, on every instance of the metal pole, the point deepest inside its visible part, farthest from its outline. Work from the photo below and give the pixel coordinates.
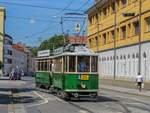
(140, 11)
(62, 28)
(115, 22)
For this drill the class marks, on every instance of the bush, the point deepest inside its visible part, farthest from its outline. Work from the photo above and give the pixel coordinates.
(1, 64)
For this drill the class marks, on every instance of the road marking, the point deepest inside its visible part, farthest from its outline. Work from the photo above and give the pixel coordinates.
(45, 100)
(82, 111)
(20, 109)
(11, 108)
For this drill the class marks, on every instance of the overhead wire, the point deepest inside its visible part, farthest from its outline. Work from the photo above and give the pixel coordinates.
(84, 4)
(38, 6)
(41, 32)
(68, 5)
(29, 18)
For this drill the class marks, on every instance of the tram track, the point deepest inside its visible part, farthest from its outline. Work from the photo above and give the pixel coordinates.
(126, 104)
(129, 101)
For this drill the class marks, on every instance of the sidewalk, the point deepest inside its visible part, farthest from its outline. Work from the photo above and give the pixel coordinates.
(145, 93)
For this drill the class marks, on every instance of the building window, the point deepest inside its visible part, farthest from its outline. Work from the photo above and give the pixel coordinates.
(147, 24)
(123, 32)
(124, 2)
(124, 56)
(136, 27)
(113, 7)
(117, 57)
(133, 56)
(9, 52)
(107, 58)
(144, 55)
(128, 56)
(112, 34)
(121, 57)
(96, 41)
(9, 61)
(90, 20)
(118, 4)
(129, 30)
(104, 38)
(90, 43)
(111, 58)
(105, 12)
(96, 16)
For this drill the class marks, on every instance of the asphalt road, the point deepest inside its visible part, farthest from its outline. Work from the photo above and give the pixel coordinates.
(26, 99)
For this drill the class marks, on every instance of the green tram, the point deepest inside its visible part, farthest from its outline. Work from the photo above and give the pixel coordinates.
(71, 72)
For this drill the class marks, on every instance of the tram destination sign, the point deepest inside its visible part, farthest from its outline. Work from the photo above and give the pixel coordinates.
(44, 53)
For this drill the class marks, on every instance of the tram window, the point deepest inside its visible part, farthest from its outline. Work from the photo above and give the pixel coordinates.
(39, 66)
(65, 63)
(72, 63)
(58, 65)
(83, 64)
(50, 65)
(94, 64)
(42, 66)
(45, 66)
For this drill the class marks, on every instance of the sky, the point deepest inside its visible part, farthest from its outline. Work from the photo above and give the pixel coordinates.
(31, 21)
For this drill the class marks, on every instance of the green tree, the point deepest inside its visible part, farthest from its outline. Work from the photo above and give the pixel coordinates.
(34, 51)
(1, 64)
(55, 41)
(51, 43)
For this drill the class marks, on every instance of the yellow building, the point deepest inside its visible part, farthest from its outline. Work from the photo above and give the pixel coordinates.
(120, 38)
(2, 23)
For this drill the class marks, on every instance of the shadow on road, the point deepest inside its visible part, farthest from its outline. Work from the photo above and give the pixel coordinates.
(5, 99)
(25, 99)
(98, 99)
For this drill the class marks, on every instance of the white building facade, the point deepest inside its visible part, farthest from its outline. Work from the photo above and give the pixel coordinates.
(127, 62)
(8, 40)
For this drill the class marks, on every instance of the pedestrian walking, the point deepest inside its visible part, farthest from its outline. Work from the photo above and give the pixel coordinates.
(139, 81)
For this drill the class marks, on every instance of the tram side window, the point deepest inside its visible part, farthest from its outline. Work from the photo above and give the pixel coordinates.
(72, 63)
(65, 63)
(58, 65)
(39, 66)
(83, 64)
(94, 66)
(45, 66)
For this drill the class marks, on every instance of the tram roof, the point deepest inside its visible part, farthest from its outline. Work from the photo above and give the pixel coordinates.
(78, 50)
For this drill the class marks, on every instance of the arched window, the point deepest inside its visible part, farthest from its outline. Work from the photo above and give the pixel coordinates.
(144, 55)
(128, 56)
(107, 58)
(121, 57)
(133, 56)
(124, 56)
(117, 57)
(111, 57)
